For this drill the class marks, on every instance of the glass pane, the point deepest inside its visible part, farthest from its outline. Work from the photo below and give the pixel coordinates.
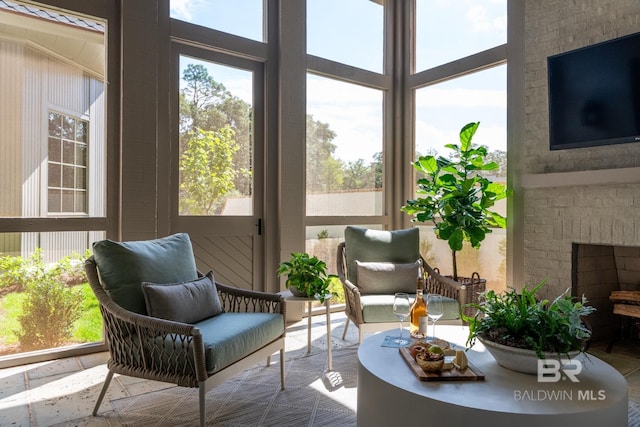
(81, 178)
(68, 176)
(55, 175)
(55, 124)
(68, 149)
(344, 148)
(441, 111)
(68, 128)
(350, 32)
(240, 17)
(216, 140)
(53, 198)
(55, 152)
(81, 131)
(448, 30)
(68, 201)
(81, 155)
(81, 201)
(490, 261)
(77, 319)
(60, 59)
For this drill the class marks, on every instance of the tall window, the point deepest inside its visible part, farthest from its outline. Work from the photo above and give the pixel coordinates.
(67, 163)
(216, 139)
(244, 18)
(471, 90)
(52, 167)
(344, 148)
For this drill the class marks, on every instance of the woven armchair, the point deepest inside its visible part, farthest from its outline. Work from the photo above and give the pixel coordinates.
(372, 311)
(180, 353)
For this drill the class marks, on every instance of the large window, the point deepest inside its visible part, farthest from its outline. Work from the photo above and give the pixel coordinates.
(449, 30)
(472, 88)
(216, 139)
(344, 148)
(350, 32)
(239, 17)
(53, 168)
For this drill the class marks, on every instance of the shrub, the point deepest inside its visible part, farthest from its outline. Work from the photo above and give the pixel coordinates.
(48, 313)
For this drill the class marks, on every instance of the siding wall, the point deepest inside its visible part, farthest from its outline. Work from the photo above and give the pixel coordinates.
(32, 84)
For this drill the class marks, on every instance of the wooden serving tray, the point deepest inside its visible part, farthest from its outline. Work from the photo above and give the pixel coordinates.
(470, 373)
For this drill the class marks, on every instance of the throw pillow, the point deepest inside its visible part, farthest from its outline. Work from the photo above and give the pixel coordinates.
(186, 302)
(387, 277)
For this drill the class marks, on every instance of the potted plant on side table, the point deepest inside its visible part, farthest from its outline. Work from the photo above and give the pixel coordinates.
(518, 329)
(306, 276)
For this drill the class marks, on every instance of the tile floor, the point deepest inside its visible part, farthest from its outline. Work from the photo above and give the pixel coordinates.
(63, 392)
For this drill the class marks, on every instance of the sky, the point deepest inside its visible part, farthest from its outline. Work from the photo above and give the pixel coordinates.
(350, 31)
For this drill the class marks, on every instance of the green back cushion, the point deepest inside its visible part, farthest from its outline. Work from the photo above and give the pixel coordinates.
(366, 245)
(123, 266)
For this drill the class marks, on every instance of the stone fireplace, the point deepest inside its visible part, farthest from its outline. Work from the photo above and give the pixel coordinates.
(564, 199)
(582, 232)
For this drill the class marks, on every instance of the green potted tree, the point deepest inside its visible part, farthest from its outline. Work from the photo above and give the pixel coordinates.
(518, 328)
(306, 276)
(456, 196)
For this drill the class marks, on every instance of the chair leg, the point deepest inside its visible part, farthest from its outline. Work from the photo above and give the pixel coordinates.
(282, 373)
(202, 393)
(105, 386)
(268, 361)
(346, 325)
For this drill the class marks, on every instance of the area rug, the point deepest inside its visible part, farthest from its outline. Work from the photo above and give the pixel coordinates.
(313, 397)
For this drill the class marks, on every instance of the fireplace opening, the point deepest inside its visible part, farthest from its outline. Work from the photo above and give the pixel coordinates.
(598, 270)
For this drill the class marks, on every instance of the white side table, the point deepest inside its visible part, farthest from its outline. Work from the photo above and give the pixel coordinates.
(288, 296)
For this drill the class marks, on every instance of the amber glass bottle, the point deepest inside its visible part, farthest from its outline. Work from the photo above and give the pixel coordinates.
(418, 314)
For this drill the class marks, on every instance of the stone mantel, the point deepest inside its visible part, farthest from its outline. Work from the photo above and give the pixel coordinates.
(582, 178)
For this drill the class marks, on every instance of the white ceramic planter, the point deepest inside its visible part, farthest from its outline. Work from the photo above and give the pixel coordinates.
(520, 359)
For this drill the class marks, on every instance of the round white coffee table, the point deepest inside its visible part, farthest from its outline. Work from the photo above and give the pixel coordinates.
(389, 393)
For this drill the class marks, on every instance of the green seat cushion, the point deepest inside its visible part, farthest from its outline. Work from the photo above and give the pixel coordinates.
(186, 302)
(228, 337)
(123, 266)
(367, 245)
(379, 308)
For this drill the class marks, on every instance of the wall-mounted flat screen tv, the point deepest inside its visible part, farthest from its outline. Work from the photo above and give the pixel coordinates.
(594, 95)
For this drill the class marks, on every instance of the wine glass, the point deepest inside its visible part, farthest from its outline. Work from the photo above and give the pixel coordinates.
(434, 309)
(401, 308)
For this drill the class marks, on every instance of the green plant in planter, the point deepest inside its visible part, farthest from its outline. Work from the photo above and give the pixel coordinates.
(308, 275)
(455, 195)
(519, 319)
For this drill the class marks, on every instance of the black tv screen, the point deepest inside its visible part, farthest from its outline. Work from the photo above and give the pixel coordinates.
(594, 95)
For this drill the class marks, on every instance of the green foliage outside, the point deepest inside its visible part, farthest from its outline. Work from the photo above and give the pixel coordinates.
(207, 171)
(48, 305)
(48, 313)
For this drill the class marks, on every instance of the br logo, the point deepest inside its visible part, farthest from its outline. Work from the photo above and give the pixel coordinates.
(553, 370)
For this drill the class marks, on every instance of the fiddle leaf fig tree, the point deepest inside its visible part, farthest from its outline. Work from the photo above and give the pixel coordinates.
(454, 194)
